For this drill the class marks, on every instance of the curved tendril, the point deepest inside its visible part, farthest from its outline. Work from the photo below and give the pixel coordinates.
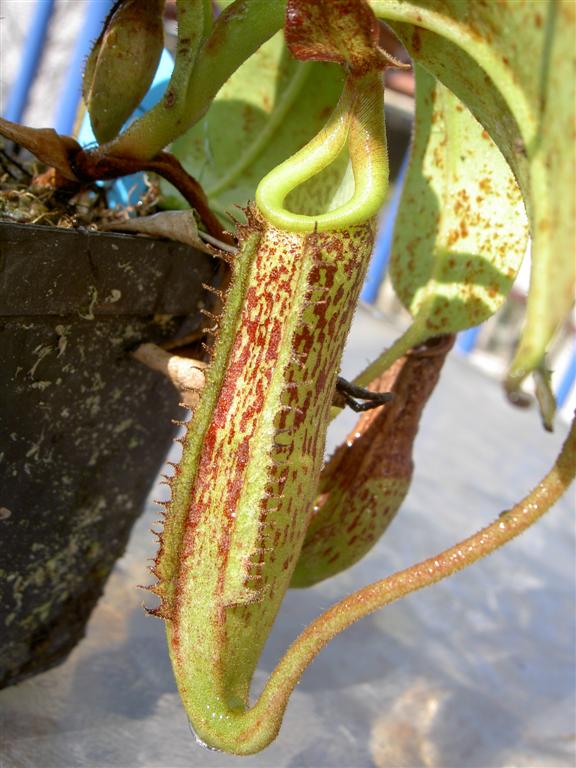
(267, 712)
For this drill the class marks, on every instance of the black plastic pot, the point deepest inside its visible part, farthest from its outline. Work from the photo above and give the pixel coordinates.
(84, 428)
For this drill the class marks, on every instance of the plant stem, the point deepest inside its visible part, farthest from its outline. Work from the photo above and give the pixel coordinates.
(194, 23)
(415, 335)
(237, 33)
(89, 166)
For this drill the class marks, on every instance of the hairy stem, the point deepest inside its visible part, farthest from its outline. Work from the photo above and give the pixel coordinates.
(369, 599)
(194, 23)
(237, 33)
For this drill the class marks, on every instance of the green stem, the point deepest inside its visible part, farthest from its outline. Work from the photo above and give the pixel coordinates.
(237, 33)
(194, 23)
(416, 334)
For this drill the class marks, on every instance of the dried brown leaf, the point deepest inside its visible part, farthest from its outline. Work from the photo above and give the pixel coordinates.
(45, 144)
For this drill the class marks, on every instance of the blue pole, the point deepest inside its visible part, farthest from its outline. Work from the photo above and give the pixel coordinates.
(96, 13)
(383, 247)
(33, 48)
(467, 339)
(567, 381)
